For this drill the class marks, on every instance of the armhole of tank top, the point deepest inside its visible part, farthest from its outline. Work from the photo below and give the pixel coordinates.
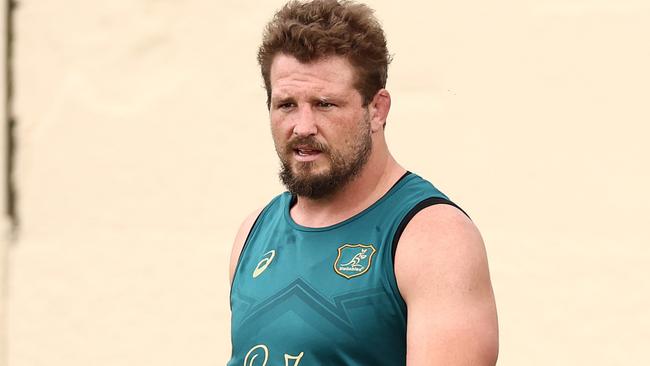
(431, 201)
(241, 253)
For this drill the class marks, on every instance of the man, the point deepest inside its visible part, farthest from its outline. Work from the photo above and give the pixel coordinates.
(360, 262)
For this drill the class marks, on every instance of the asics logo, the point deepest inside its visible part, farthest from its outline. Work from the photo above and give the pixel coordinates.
(264, 263)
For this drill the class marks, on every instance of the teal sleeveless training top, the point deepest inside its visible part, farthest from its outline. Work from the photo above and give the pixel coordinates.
(325, 296)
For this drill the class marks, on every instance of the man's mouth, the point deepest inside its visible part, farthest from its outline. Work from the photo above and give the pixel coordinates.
(306, 153)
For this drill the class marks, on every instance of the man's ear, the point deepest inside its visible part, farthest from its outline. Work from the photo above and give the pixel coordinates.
(379, 108)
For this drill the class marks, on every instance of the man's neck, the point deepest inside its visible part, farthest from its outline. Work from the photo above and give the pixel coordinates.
(373, 182)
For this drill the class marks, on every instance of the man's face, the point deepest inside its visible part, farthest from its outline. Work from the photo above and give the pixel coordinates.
(320, 128)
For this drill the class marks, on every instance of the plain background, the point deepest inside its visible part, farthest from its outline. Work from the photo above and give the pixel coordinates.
(143, 141)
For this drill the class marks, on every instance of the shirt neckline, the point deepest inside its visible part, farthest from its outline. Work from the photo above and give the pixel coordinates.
(290, 200)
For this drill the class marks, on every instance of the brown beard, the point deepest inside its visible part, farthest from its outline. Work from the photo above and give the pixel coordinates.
(341, 172)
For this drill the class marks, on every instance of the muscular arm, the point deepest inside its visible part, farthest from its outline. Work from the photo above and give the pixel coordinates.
(240, 239)
(442, 273)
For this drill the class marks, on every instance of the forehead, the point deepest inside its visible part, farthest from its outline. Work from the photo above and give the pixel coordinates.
(333, 75)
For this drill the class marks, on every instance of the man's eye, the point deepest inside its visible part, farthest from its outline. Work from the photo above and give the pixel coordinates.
(325, 105)
(285, 106)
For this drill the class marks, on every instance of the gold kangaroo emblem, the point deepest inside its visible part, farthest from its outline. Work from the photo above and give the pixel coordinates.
(358, 259)
(354, 262)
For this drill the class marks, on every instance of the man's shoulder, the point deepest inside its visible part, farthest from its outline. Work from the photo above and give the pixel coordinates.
(442, 219)
(442, 272)
(240, 239)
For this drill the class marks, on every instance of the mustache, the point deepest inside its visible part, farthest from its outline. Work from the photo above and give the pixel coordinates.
(309, 142)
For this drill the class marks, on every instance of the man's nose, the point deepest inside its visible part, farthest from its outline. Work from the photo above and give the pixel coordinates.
(305, 123)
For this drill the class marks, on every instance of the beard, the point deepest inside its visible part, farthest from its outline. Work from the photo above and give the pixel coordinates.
(343, 167)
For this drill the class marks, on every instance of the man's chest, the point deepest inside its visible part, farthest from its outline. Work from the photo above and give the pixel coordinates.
(298, 292)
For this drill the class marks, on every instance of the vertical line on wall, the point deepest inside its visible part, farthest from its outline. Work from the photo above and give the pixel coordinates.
(6, 222)
(10, 221)
(11, 210)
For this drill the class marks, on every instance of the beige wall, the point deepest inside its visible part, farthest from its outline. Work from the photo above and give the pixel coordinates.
(143, 142)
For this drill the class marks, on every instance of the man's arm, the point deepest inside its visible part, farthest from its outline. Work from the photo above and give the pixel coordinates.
(240, 239)
(442, 273)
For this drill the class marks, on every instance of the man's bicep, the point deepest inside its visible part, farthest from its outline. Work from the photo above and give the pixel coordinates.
(442, 273)
(240, 240)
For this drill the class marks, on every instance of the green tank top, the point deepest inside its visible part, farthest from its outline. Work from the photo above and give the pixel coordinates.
(325, 296)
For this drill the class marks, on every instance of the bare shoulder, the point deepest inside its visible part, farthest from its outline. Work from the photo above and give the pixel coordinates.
(240, 240)
(442, 241)
(442, 273)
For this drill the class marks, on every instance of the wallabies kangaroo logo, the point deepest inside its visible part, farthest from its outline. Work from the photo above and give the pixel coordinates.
(353, 260)
(356, 259)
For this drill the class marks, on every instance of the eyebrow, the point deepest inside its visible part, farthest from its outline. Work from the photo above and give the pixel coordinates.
(330, 99)
(322, 98)
(282, 99)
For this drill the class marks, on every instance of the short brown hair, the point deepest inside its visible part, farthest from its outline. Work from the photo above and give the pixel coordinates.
(315, 29)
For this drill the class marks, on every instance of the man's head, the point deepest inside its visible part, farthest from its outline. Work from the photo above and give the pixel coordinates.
(325, 81)
(313, 30)
(322, 133)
